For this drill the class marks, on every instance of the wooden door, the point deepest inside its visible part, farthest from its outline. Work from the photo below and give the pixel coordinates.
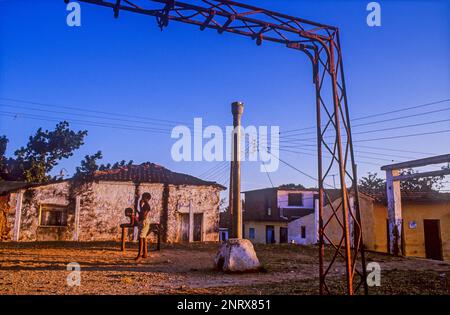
(433, 242)
(185, 227)
(270, 234)
(198, 227)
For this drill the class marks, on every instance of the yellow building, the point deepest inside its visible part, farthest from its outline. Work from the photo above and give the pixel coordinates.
(426, 224)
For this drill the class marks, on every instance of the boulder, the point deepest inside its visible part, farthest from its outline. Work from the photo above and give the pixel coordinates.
(237, 255)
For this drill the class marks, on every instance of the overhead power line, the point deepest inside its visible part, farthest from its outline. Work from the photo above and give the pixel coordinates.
(84, 122)
(140, 117)
(393, 149)
(372, 122)
(373, 130)
(380, 114)
(406, 136)
(137, 121)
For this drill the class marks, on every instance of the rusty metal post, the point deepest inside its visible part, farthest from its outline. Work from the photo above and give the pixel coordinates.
(237, 108)
(316, 79)
(342, 173)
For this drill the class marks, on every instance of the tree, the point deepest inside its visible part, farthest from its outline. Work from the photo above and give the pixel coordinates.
(88, 166)
(372, 183)
(424, 184)
(3, 145)
(292, 186)
(42, 153)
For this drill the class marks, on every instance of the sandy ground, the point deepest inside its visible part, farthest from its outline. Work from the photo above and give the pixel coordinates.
(41, 268)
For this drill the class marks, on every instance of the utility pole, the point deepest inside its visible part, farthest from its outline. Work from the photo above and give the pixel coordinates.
(237, 108)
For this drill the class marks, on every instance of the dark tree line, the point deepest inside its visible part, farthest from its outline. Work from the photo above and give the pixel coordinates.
(374, 184)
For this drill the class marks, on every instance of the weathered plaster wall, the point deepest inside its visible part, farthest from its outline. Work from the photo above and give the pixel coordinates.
(5, 226)
(102, 206)
(10, 216)
(334, 229)
(415, 238)
(260, 230)
(295, 228)
(203, 199)
(55, 194)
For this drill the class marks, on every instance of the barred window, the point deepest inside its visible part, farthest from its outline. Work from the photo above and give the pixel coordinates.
(295, 199)
(303, 231)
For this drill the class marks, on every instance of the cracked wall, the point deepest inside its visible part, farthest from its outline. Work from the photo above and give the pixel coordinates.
(102, 206)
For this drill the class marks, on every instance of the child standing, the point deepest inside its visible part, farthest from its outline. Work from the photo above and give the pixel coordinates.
(144, 225)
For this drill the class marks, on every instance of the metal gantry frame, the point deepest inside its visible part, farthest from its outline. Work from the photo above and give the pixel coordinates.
(321, 44)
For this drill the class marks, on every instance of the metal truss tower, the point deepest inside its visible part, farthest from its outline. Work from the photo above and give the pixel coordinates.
(321, 44)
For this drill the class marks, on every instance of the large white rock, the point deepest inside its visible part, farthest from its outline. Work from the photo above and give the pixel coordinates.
(237, 255)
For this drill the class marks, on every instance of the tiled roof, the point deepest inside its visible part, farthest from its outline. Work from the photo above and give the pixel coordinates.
(9, 186)
(296, 189)
(151, 173)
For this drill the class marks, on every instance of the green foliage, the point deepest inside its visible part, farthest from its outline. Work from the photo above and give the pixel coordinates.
(292, 186)
(88, 166)
(3, 145)
(424, 184)
(372, 183)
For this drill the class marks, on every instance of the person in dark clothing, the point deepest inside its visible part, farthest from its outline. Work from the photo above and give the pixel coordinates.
(144, 225)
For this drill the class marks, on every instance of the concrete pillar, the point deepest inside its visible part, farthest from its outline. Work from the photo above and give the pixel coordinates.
(77, 218)
(237, 108)
(191, 222)
(395, 219)
(18, 216)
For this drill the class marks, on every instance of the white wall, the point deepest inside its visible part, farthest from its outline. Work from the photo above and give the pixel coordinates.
(294, 230)
(308, 198)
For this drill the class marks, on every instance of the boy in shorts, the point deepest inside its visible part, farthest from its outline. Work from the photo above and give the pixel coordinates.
(144, 225)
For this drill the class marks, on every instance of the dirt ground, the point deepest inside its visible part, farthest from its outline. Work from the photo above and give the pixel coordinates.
(41, 268)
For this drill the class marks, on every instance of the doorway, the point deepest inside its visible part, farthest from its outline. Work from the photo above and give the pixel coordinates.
(185, 227)
(198, 227)
(433, 242)
(283, 235)
(270, 234)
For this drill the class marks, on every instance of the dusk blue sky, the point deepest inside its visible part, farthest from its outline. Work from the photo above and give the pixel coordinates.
(128, 66)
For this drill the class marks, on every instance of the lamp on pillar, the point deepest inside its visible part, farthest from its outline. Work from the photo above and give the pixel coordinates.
(237, 254)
